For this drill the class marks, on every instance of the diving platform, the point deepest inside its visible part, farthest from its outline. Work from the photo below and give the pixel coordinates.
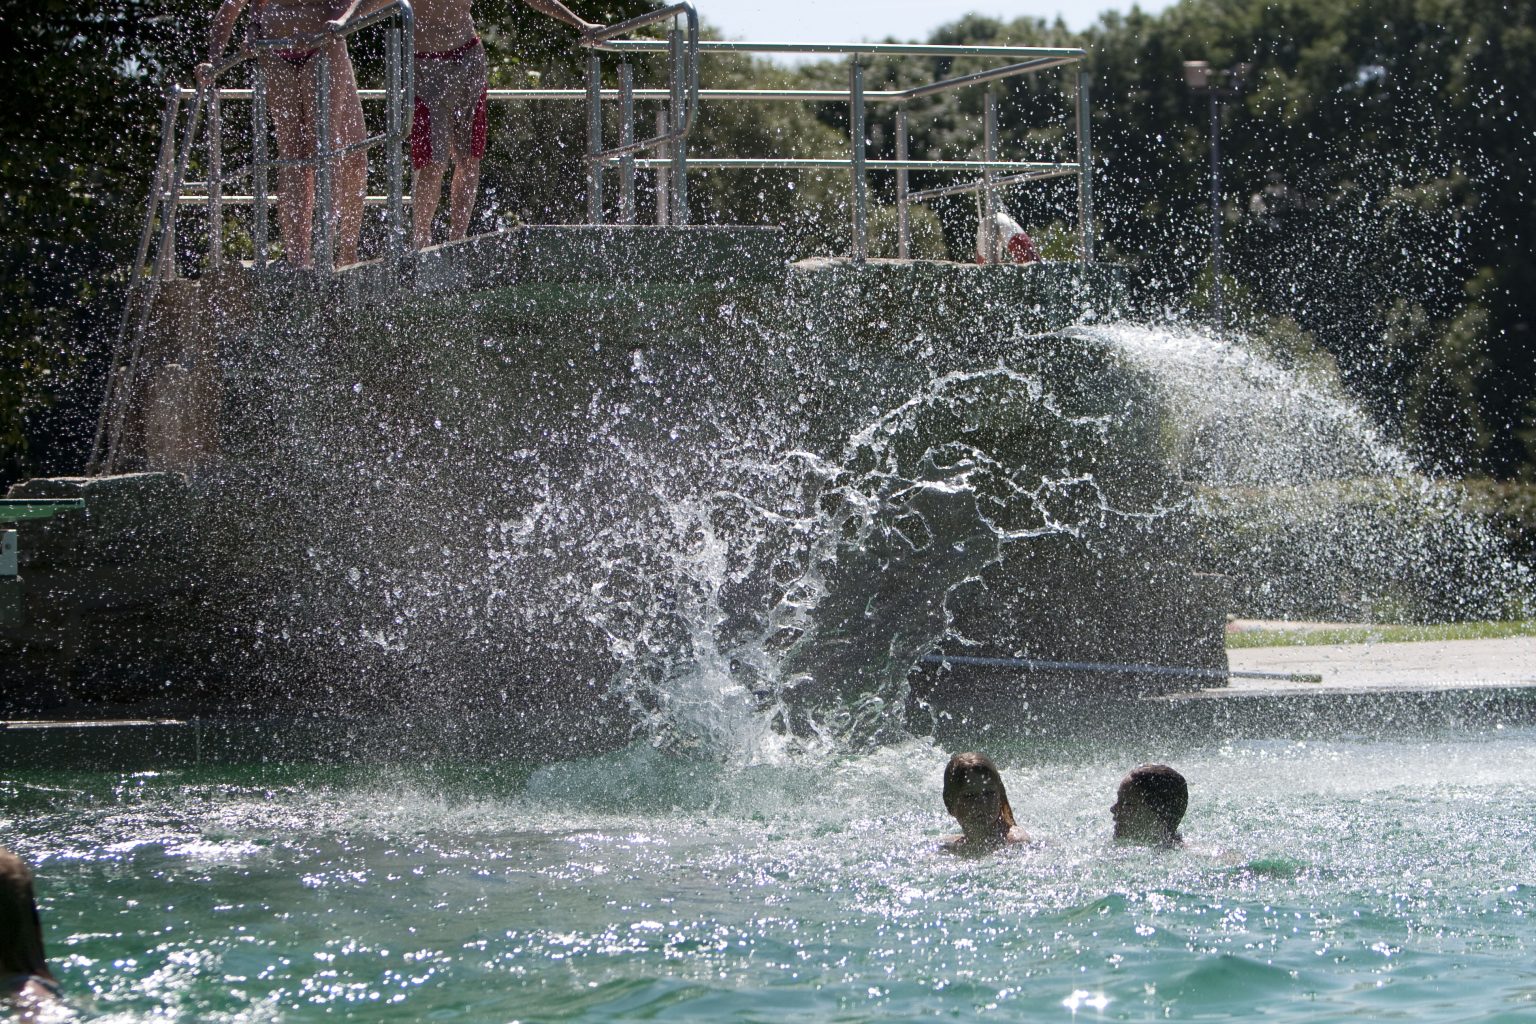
(570, 256)
(383, 485)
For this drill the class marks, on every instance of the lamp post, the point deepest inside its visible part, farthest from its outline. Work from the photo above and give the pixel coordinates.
(1219, 85)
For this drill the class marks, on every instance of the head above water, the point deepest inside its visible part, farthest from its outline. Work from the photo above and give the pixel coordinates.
(974, 794)
(21, 931)
(1149, 806)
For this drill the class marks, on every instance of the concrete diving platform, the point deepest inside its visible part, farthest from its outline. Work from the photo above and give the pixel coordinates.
(579, 255)
(1364, 690)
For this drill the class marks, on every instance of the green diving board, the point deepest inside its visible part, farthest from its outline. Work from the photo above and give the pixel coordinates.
(14, 510)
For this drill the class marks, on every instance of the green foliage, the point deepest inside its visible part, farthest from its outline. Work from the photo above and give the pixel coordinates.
(77, 117)
(1376, 191)
(1508, 509)
(810, 205)
(1375, 179)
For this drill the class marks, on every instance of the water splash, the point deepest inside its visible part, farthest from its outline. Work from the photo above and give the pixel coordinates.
(1311, 511)
(699, 559)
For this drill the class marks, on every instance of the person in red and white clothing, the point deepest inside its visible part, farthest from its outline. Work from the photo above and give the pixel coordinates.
(449, 124)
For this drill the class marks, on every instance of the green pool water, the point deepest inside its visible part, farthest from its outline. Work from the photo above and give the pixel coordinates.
(1327, 880)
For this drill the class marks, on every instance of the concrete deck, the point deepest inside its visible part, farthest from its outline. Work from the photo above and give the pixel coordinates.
(1387, 688)
(607, 256)
(1431, 666)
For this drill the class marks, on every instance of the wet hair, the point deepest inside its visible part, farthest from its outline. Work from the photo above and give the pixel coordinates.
(1162, 790)
(21, 930)
(969, 763)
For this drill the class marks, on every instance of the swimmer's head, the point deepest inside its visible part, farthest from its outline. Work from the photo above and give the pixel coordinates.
(1149, 806)
(974, 794)
(21, 931)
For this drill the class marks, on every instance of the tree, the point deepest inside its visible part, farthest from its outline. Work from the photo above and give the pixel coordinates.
(78, 117)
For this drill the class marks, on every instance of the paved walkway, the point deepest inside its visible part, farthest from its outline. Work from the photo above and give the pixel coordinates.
(1423, 666)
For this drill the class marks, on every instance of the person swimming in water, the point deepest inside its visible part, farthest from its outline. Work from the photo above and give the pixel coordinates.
(1149, 806)
(25, 980)
(974, 794)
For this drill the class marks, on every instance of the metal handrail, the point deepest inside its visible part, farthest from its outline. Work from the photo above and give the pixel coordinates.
(196, 197)
(502, 95)
(683, 94)
(994, 173)
(808, 162)
(861, 49)
(607, 39)
(166, 196)
(965, 188)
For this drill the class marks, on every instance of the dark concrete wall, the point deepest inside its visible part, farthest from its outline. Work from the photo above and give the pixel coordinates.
(472, 497)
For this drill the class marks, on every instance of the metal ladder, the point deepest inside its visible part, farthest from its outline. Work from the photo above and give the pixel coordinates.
(156, 249)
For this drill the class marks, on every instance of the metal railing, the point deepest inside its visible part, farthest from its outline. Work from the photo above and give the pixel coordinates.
(665, 153)
(995, 173)
(168, 189)
(681, 97)
(674, 126)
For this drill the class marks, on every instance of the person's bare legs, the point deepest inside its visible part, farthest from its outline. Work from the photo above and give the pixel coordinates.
(350, 174)
(295, 213)
(290, 97)
(351, 186)
(461, 196)
(426, 192)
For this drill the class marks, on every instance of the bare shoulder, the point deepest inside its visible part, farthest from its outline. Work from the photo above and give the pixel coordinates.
(1216, 854)
(37, 1000)
(957, 843)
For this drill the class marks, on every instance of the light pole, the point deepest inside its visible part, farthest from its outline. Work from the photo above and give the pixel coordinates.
(1220, 85)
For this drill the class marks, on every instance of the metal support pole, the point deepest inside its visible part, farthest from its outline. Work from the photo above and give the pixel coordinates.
(903, 223)
(856, 134)
(594, 139)
(1218, 316)
(215, 182)
(399, 235)
(157, 189)
(259, 165)
(165, 256)
(325, 199)
(680, 147)
(988, 235)
(1085, 164)
(108, 420)
(663, 171)
(626, 137)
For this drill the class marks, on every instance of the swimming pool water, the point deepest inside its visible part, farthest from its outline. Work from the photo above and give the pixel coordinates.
(1325, 880)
